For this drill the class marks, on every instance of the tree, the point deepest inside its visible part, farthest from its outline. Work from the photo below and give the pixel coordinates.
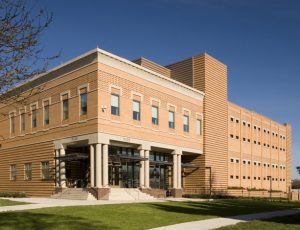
(296, 184)
(298, 168)
(20, 50)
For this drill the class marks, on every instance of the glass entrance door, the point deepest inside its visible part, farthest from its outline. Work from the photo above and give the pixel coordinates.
(114, 172)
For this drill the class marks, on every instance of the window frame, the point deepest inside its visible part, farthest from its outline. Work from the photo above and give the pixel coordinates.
(13, 172)
(28, 170)
(171, 124)
(186, 127)
(136, 115)
(111, 106)
(153, 121)
(45, 176)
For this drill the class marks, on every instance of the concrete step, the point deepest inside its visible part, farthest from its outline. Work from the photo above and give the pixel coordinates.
(128, 194)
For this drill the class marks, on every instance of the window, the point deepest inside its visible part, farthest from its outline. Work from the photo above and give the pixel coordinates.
(231, 160)
(186, 125)
(237, 177)
(198, 127)
(115, 105)
(13, 172)
(45, 170)
(12, 123)
(33, 117)
(237, 121)
(83, 102)
(154, 115)
(22, 121)
(244, 123)
(28, 171)
(231, 119)
(237, 161)
(171, 120)
(46, 113)
(136, 107)
(65, 104)
(231, 176)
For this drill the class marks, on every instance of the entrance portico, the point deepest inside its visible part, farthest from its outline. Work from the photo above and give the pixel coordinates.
(115, 161)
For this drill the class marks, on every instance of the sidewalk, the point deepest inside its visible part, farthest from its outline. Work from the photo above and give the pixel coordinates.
(221, 222)
(47, 203)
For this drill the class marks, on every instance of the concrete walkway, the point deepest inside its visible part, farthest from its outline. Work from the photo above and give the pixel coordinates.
(221, 222)
(47, 203)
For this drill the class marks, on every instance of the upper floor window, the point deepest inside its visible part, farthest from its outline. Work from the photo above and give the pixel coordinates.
(46, 113)
(22, 121)
(171, 120)
(115, 104)
(65, 106)
(154, 115)
(136, 110)
(83, 101)
(28, 171)
(45, 170)
(13, 172)
(198, 126)
(12, 123)
(186, 125)
(33, 116)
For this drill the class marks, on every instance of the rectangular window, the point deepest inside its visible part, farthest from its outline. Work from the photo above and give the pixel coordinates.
(33, 117)
(198, 126)
(45, 170)
(13, 172)
(22, 122)
(136, 113)
(28, 171)
(186, 125)
(65, 105)
(171, 120)
(83, 103)
(12, 123)
(154, 115)
(46, 113)
(115, 105)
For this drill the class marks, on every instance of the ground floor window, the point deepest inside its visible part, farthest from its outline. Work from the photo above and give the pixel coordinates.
(13, 172)
(28, 171)
(45, 170)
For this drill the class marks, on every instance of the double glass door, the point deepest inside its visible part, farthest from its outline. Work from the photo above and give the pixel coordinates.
(124, 175)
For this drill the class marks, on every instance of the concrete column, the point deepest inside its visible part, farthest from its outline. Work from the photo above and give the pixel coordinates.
(142, 169)
(57, 169)
(147, 169)
(105, 165)
(92, 166)
(62, 166)
(175, 170)
(98, 165)
(179, 171)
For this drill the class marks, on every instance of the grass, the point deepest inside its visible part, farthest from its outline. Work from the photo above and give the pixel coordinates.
(4, 202)
(133, 216)
(278, 223)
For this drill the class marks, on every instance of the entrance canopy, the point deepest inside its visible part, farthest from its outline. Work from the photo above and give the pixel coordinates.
(72, 157)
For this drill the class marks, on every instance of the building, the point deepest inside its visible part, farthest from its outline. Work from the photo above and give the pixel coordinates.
(100, 121)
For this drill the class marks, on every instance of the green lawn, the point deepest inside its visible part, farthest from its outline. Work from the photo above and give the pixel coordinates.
(279, 223)
(133, 216)
(4, 202)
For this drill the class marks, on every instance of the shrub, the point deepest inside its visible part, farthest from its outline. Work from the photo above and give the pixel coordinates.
(13, 194)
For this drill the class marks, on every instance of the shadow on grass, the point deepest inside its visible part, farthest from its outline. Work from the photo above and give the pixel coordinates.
(37, 221)
(225, 208)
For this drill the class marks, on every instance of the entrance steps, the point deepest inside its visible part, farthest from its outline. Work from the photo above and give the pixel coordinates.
(73, 194)
(128, 194)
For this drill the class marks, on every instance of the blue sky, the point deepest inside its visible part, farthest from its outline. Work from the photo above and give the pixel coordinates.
(257, 40)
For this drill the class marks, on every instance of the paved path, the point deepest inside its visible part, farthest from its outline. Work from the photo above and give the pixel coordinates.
(221, 222)
(47, 203)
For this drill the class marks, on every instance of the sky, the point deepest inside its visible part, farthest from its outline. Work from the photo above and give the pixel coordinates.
(259, 41)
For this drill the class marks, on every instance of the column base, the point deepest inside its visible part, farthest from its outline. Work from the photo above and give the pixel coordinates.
(176, 192)
(100, 193)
